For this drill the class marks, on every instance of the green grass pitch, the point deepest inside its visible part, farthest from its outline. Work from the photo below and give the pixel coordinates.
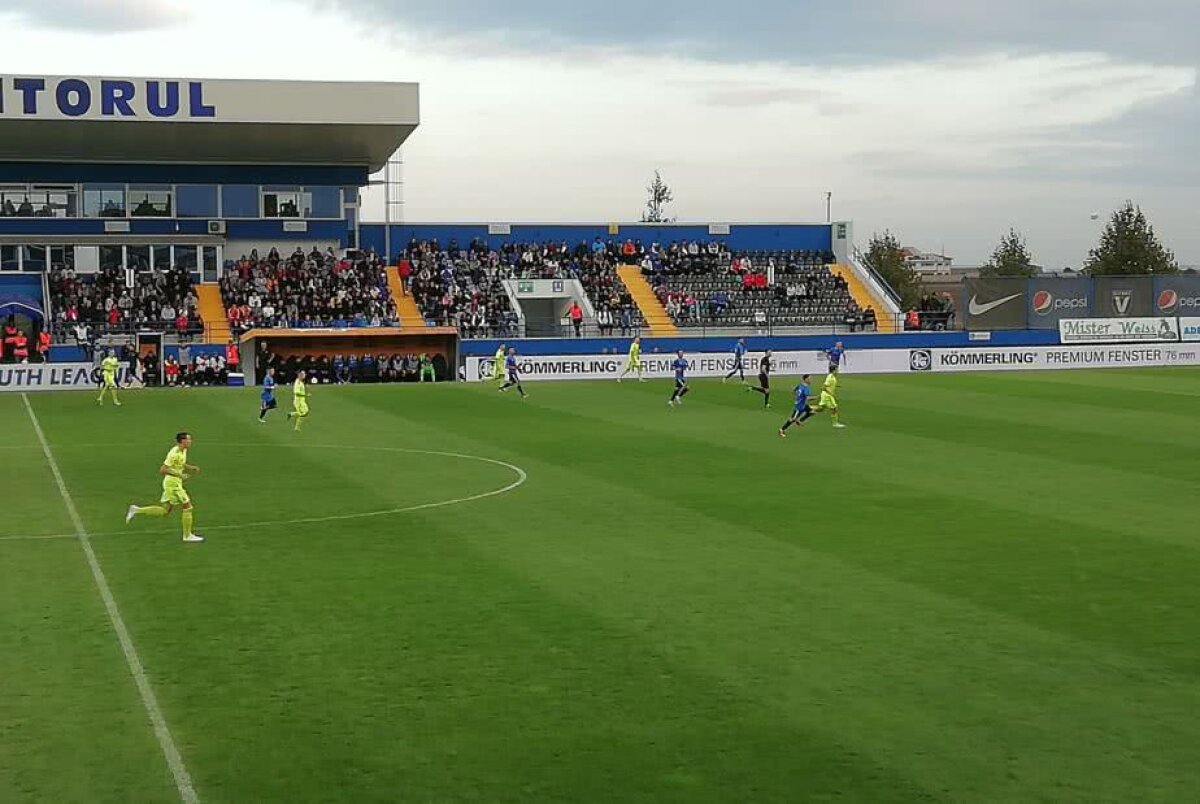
(986, 588)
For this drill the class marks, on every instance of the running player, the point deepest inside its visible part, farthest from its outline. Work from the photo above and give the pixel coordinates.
(514, 377)
(498, 365)
(828, 400)
(739, 366)
(801, 411)
(267, 400)
(836, 356)
(764, 379)
(174, 470)
(681, 385)
(299, 400)
(634, 363)
(108, 378)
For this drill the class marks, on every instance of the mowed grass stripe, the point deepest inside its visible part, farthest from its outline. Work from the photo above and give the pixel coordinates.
(1104, 596)
(698, 536)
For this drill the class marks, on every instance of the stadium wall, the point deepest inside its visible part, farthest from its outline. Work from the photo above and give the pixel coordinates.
(816, 237)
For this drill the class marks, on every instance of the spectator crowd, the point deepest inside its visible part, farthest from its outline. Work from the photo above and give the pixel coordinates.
(311, 290)
(116, 300)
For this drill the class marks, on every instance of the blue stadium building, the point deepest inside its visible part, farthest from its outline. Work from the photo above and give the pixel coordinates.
(149, 173)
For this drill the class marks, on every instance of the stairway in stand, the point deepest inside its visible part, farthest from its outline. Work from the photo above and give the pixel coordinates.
(657, 318)
(406, 305)
(212, 313)
(864, 298)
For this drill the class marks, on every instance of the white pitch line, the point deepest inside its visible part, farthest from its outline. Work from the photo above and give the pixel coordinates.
(183, 782)
(522, 476)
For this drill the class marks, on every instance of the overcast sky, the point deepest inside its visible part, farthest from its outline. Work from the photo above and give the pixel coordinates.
(946, 121)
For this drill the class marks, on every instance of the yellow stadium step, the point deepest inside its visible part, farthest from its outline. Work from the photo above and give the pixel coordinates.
(406, 305)
(864, 298)
(212, 312)
(657, 318)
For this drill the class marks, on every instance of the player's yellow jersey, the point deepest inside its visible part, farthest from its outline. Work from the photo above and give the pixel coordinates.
(176, 461)
(831, 384)
(299, 389)
(110, 365)
(635, 352)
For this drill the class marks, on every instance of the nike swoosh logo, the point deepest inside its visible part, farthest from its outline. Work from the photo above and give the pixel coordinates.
(976, 308)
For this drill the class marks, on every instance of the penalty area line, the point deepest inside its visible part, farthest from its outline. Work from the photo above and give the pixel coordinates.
(183, 781)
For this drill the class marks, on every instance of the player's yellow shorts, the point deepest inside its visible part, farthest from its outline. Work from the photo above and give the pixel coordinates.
(633, 365)
(301, 407)
(110, 380)
(827, 400)
(174, 493)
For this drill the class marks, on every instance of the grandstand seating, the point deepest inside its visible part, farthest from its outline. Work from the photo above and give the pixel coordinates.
(115, 300)
(463, 287)
(752, 289)
(306, 290)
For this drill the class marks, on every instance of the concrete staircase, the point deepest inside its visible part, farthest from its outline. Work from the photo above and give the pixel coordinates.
(212, 312)
(656, 316)
(406, 306)
(863, 297)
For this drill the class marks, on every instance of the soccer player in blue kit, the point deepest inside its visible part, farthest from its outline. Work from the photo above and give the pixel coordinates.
(514, 379)
(836, 355)
(801, 412)
(267, 400)
(739, 364)
(680, 365)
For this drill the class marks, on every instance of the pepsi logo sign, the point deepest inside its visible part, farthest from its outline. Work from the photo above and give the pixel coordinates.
(1045, 303)
(1170, 302)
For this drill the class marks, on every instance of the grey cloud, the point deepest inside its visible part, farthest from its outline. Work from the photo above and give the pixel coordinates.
(103, 16)
(805, 30)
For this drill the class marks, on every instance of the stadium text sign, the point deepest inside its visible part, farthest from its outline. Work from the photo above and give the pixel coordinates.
(52, 377)
(1189, 329)
(1118, 330)
(99, 98)
(872, 361)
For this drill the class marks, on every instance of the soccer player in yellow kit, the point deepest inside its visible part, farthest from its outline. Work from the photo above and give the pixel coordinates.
(299, 400)
(828, 400)
(635, 360)
(174, 470)
(498, 364)
(108, 383)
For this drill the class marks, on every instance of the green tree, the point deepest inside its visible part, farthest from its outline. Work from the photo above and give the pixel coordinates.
(1011, 258)
(1129, 247)
(885, 256)
(658, 195)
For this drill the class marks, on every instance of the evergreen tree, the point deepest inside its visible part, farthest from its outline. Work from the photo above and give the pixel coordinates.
(1011, 258)
(885, 256)
(658, 195)
(1129, 247)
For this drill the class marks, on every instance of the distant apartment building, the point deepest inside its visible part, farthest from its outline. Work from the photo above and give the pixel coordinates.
(925, 263)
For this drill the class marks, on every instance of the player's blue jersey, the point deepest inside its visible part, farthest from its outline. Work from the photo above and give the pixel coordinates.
(802, 392)
(835, 356)
(268, 389)
(680, 365)
(739, 351)
(510, 363)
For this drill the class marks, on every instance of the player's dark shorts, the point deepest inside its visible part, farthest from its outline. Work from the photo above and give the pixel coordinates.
(680, 382)
(269, 404)
(834, 367)
(513, 378)
(800, 410)
(764, 381)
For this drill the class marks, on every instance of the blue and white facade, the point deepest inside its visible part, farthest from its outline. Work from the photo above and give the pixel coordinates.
(146, 173)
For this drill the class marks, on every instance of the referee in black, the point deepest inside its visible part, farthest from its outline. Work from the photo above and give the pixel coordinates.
(764, 379)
